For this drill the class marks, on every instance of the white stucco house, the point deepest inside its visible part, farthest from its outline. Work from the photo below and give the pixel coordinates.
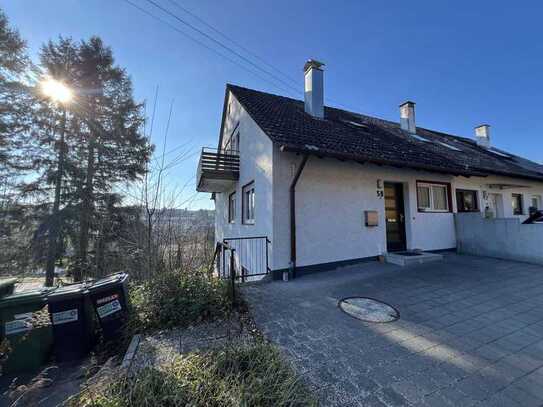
(328, 187)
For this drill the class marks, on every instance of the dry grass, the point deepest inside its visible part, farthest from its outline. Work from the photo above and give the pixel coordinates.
(178, 299)
(247, 375)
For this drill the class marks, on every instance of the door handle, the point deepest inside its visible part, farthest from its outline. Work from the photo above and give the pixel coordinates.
(402, 218)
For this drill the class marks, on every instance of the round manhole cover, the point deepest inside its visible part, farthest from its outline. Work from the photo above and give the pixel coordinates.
(368, 309)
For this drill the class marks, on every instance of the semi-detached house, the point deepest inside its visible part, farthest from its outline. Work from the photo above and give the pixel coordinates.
(327, 187)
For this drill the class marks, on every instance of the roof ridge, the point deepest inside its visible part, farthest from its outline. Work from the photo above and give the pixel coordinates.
(390, 122)
(283, 119)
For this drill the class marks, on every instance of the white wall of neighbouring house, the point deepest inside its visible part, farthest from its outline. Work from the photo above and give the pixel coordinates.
(486, 186)
(256, 155)
(501, 238)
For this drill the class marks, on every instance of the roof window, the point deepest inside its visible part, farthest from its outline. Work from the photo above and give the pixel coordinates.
(419, 138)
(353, 123)
(499, 153)
(448, 146)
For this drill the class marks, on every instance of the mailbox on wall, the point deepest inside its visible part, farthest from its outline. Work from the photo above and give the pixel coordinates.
(371, 218)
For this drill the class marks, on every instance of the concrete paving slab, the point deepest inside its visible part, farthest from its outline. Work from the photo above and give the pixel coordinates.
(470, 333)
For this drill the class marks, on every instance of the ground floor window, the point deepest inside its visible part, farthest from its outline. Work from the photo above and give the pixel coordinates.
(249, 203)
(466, 200)
(433, 197)
(517, 204)
(232, 207)
(536, 202)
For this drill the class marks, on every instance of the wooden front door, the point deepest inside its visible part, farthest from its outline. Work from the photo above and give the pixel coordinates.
(395, 217)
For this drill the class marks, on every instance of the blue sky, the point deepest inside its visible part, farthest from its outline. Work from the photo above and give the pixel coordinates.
(464, 63)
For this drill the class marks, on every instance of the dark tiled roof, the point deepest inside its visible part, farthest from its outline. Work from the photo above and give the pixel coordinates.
(348, 135)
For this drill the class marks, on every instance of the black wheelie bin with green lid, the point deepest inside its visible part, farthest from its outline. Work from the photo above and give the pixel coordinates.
(73, 322)
(110, 299)
(26, 327)
(7, 286)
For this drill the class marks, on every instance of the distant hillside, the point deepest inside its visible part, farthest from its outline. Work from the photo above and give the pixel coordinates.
(186, 218)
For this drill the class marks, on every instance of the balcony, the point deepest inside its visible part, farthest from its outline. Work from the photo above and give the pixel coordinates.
(218, 170)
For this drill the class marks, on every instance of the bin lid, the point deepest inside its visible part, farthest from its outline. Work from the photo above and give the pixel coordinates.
(107, 282)
(68, 292)
(24, 297)
(6, 282)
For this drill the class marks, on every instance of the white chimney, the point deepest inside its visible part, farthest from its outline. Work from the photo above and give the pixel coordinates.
(407, 117)
(482, 135)
(314, 88)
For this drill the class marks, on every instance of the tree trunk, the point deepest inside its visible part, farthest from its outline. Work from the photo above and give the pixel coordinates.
(149, 245)
(55, 226)
(86, 210)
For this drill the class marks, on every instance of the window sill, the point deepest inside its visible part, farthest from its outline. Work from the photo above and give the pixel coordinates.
(432, 211)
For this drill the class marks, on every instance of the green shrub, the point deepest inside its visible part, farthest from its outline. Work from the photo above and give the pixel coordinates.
(173, 299)
(249, 375)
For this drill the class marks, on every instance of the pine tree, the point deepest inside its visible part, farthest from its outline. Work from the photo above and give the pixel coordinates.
(16, 222)
(15, 105)
(59, 62)
(114, 150)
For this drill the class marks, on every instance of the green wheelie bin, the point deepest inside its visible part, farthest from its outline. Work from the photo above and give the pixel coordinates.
(26, 327)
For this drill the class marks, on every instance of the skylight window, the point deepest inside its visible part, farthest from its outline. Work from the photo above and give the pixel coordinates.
(425, 140)
(353, 123)
(448, 146)
(499, 153)
(419, 138)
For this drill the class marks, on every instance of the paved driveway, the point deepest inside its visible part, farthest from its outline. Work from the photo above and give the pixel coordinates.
(470, 333)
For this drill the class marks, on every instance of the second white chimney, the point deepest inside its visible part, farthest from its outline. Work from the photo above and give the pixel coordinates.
(407, 117)
(314, 88)
(482, 135)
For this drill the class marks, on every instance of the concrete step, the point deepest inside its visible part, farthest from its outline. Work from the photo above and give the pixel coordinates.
(407, 260)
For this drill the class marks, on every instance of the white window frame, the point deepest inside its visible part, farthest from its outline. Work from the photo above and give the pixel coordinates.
(249, 204)
(232, 207)
(424, 208)
(431, 187)
(234, 142)
(231, 146)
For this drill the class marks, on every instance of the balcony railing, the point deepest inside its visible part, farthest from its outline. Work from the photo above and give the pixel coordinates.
(218, 170)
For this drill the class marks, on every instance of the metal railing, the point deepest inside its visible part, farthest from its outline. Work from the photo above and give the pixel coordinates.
(217, 164)
(218, 264)
(251, 256)
(242, 259)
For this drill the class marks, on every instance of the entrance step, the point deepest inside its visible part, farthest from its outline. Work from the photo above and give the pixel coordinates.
(409, 258)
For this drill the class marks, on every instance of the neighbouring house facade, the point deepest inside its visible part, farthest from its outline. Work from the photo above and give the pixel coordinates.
(329, 187)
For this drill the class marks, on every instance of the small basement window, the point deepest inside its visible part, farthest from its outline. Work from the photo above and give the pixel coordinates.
(517, 204)
(232, 207)
(466, 200)
(249, 203)
(433, 197)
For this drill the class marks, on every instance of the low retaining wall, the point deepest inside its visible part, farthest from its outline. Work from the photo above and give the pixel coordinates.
(501, 238)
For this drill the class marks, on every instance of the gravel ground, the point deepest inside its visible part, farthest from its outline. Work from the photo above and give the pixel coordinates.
(161, 347)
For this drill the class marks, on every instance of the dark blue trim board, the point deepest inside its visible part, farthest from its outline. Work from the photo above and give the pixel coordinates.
(317, 268)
